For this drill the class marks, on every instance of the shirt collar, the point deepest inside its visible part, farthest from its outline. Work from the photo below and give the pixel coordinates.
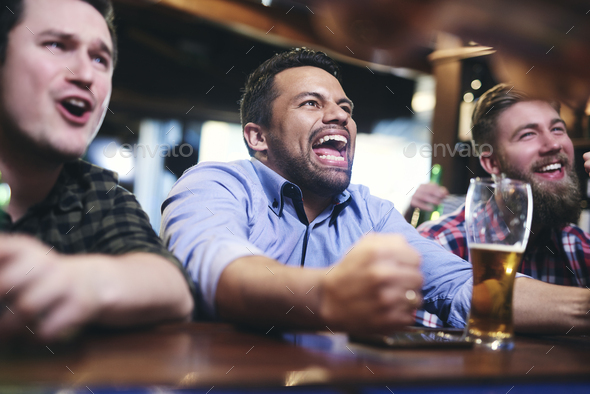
(272, 184)
(65, 193)
(60, 195)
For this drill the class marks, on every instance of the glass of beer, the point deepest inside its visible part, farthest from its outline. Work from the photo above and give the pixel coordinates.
(498, 215)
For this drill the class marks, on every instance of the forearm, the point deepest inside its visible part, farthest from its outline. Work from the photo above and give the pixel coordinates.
(140, 288)
(259, 291)
(540, 307)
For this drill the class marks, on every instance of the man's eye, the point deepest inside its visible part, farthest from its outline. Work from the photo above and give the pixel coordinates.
(54, 45)
(347, 109)
(312, 103)
(100, 60)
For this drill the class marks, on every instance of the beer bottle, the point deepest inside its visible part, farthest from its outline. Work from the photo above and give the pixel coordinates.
(419, 216)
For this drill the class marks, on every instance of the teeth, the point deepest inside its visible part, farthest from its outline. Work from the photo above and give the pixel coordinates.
(551, 167)
(330, 157)
(333, 137)
(76, 102)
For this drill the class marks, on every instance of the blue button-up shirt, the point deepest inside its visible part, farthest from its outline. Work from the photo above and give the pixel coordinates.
(219, 212)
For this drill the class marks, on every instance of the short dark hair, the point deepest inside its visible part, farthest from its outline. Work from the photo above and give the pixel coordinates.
(259, 92)
(13, 10)
(489, 107)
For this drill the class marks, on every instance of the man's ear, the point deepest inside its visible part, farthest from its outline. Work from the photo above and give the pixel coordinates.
(255, 136)
(489, 162)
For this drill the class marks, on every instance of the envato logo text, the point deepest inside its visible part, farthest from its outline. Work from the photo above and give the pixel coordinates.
(442, 150)
(127, 151)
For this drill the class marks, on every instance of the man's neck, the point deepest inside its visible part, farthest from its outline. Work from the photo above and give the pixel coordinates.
(314, 204)
(536, 231)
(30, 180)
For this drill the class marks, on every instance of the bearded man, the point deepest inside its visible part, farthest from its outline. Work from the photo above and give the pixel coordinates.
(530, 143)
(281, 240)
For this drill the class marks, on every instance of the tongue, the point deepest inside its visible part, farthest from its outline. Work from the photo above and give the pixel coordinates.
(325, 151)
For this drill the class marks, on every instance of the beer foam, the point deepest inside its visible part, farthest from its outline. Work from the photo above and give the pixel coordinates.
(516, 248)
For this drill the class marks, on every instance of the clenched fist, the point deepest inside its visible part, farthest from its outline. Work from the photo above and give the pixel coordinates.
(376, 286)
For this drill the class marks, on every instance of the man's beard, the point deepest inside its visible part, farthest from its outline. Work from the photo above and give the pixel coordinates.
(303, 172)
(555, 203)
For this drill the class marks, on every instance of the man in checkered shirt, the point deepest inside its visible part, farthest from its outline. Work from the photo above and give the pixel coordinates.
(529, 142)
(81, 251)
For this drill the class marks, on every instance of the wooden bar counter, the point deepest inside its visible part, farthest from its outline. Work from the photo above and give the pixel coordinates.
(202, 356)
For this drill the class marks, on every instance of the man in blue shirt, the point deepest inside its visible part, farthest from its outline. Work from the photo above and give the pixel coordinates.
(245, 229)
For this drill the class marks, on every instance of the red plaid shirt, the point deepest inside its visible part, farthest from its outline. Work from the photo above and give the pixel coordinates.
(560, 257)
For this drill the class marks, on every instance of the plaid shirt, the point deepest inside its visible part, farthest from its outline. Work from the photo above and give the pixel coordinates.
(560, 257)
(88, 212)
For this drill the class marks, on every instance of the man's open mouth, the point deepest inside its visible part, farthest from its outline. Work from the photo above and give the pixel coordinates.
(331, 148)
(75, 106)
(552, 171)
(550, 168)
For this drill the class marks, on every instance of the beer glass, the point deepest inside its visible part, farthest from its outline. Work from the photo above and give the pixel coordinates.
(498, 215)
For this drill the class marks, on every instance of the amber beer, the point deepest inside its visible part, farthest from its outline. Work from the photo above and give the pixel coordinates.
(494, 269)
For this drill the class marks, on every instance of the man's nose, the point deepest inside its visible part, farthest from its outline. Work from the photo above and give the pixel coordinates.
(550, 143)
(336, 114)
(81, 70)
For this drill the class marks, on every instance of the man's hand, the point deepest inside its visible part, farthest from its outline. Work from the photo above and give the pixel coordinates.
(587, 162)
(375, 288)
(54, 294)
(43, 290)
(426, 197)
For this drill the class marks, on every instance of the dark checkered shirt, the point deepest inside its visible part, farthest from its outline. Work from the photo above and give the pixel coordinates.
(560, 257)
(88, 212)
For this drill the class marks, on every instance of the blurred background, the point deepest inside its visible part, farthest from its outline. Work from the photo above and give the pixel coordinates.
(412, 68)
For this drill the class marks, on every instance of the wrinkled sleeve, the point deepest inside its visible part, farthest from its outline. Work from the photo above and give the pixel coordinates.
(125, 228)
(206, 224)
(448, 279)
(118, 225)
